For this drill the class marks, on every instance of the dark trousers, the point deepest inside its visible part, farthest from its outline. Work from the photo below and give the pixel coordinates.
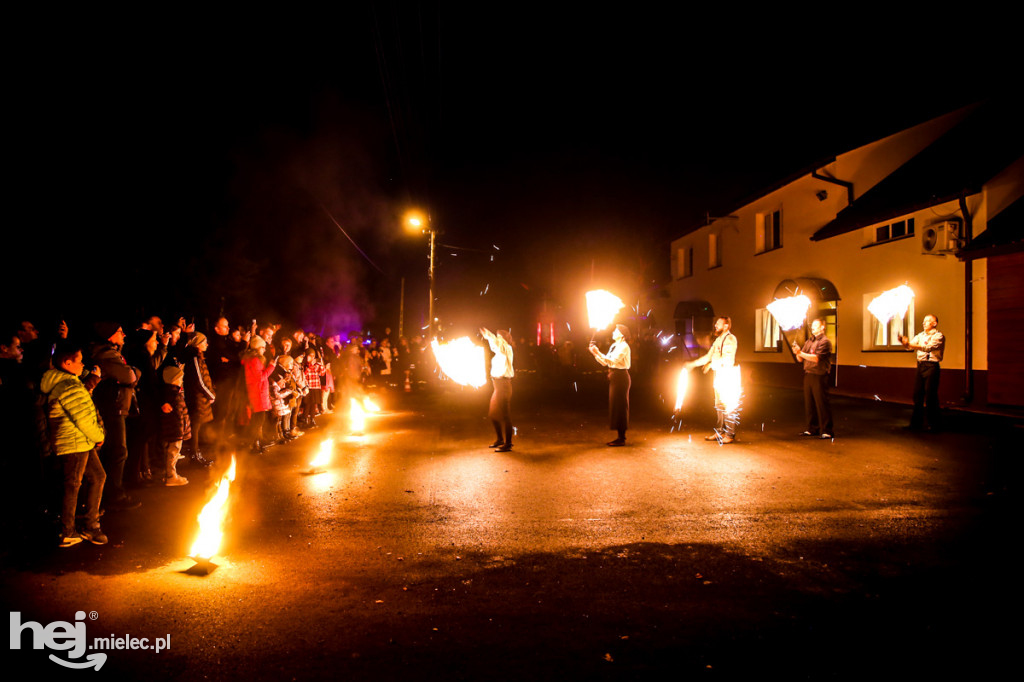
(79, 466)
(114, 453)
(926, 396)
(500, 410)
(817, 411)
(618, 400)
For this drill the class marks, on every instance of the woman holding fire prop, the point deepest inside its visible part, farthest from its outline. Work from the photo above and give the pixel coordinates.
(500, 412)
(617, 360)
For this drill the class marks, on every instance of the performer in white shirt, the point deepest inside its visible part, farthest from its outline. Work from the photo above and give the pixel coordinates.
(500, 412)
(721, 358)
(930, 345)
(617, 361)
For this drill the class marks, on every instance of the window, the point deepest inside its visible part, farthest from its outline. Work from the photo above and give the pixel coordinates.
(768, 337)
(878, 336)
(768, 231)
(714, 251)
(893, 231)
(684, 262)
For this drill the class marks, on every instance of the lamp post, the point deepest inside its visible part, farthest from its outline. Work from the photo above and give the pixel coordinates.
(417, 221)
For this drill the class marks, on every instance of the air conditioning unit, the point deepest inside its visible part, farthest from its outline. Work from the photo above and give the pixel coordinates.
(941, 238)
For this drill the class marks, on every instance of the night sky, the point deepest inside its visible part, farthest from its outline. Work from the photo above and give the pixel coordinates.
(192, 165)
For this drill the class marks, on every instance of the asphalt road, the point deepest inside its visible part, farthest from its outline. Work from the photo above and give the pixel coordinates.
(421, 554)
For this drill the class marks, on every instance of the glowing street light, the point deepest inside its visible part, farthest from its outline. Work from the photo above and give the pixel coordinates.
(415, 221)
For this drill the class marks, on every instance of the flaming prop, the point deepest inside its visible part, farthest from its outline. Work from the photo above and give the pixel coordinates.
(211, 521)
(681, 385)
(602, 307)
(323, 456)
(790, 312)
(891, 304)
(462, 361)
(356, 417)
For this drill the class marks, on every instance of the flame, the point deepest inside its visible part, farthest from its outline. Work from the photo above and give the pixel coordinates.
(370, 406)
(891, 304)
(729, 387)
(357, 417)
(790, 312)
(681, 385)
(211, 518)
(602, 307)
(462, 361)
(323, 456)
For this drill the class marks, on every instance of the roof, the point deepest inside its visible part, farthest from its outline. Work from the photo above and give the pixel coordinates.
(1003, 234)
(957, 164)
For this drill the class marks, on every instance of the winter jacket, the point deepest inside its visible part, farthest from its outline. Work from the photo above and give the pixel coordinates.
(74, 422)
(257, 384)
(199, 390)
(174, 425)
(116, 390)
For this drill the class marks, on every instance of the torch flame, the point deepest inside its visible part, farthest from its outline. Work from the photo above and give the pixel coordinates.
(211, 518)
(891, 304)
(357, 417)
(323, 456)
(462, 361)
(681, 385)
(729, 387)
(790, 312)
(602, 307)
(370, 406)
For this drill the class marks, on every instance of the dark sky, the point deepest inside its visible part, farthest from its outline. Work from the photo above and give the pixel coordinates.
(185, 165)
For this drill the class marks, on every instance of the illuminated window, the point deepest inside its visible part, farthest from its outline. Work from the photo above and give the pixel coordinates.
(768, 231)
(684, 262)
(893, 231)
(878, 336)
(714, 251)
(768, 337)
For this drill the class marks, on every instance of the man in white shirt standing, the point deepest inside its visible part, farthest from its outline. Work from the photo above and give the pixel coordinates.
(618, 362)
(500, 411)
(930, 345)
(721, 358)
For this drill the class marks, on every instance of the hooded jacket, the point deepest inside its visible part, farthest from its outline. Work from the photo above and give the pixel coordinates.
(74, 421)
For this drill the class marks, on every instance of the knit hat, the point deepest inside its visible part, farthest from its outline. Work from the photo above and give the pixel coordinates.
(285, 362)
(197, 339)
(257, 343)
(104, 330)
(173, 374)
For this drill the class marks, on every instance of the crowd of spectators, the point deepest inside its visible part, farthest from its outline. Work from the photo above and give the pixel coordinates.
(93, 413)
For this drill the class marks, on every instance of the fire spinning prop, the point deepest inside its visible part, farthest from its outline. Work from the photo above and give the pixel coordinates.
(682, 383)
(462, 361)
(891, 304)
(211, 523)
(602, 307)
(323, 456)
(790, 312)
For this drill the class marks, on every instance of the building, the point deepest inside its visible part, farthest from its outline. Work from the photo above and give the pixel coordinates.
(935, 207)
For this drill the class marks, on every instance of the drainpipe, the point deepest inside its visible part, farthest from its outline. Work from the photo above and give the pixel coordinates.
(968, 305)
(842, 183)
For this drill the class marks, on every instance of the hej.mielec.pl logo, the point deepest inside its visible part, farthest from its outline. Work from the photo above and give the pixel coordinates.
(71, 638)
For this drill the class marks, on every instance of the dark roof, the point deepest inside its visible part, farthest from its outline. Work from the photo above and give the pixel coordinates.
(957, 164)
(1003, 234)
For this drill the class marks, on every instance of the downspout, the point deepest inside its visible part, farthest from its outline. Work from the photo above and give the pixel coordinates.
(968, 305)
(836, 181)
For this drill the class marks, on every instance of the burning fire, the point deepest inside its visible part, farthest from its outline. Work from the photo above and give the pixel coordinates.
(462, 361)
(790, 312)
(323, 456)
(681, 385)
(211, 518)
(357, 417)
(729, 387)
(891, 304)
(602, 307)
(370, 406)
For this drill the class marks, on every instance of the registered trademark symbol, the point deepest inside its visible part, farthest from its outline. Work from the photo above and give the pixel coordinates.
(93, 615)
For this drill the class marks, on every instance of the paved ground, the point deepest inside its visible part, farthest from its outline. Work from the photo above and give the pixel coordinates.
(421, 553)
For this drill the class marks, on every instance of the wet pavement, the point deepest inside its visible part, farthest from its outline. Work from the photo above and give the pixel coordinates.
(420, 553)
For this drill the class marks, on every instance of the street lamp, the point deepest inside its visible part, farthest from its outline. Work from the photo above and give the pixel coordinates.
(416, 221)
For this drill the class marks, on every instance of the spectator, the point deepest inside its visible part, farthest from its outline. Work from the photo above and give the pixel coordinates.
(115, 398)
(257, 373)
(142, 427)
(199, 392)
(175, 426)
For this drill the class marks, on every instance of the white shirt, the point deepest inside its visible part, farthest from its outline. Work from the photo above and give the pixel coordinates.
(501, 363)
(618, 356)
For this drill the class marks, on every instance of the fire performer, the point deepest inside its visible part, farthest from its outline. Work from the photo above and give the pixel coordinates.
(816, 356)
(721, 358)
(617, 361)
(929, 345)
(500, 412)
